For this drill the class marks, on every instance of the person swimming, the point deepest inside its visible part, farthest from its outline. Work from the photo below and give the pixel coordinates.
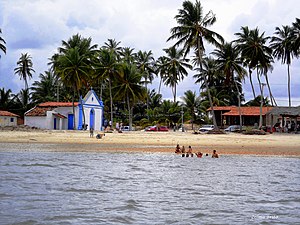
(177, 149)
(215, 154)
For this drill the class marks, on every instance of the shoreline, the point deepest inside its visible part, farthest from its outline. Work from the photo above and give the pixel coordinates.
(139, 141)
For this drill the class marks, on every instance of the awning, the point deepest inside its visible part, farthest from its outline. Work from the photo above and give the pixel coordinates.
(59, 115)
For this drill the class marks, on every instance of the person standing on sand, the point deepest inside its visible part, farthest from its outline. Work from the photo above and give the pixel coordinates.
(91, 132)
(215, 154)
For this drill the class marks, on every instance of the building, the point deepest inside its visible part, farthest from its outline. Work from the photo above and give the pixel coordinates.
(8, 119)
(229, 115)
(60, 116)
(285, 119)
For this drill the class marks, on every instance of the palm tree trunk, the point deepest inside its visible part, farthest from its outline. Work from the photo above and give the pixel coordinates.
(207, 88)
(129, 113)
(111, 104)
(175, 93)
(159, 87)
(270, 92)
(250, 78)
(258, 78)
(73, 106)
(239, 104)
(289, 86)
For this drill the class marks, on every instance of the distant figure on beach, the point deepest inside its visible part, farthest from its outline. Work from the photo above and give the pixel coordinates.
(91, 132)
(190, 151)
(183, 149)
(177, 149)
(215, 154)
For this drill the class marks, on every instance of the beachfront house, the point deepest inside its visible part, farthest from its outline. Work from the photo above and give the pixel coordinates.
(60, 116)
(230, 115)
(8, 118)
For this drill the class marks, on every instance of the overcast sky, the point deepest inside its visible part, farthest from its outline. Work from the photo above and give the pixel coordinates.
(37, 27)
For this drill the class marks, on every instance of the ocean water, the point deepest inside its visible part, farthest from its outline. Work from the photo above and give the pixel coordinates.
(144, 188)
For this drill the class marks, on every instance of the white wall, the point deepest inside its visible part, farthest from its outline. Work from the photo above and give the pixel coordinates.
(36, 121)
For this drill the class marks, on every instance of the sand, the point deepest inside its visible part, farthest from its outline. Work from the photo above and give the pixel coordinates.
(140, 141)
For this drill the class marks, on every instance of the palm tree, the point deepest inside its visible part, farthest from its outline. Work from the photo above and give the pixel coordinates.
(5, 98)
(24, 69)
(281, 43)
(175, 67)
(254, 52)
(44, 89)
(113, 46)
(229, 61)
(73, 65)
(191, 33)
(22, 101)
(2, 44)
(191, 102)
(295, 36)
(109, 69)
(145, 63)
(161, 70)
(129, 88)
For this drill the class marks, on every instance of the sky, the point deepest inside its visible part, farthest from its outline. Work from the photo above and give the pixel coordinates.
(37, 27)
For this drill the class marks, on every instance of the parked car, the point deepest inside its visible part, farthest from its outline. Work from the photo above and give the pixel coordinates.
(126, 128)
(157, 128)
(206, 128)
(232, 128)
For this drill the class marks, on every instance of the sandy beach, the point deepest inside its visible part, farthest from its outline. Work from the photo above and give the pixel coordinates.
(139, 141)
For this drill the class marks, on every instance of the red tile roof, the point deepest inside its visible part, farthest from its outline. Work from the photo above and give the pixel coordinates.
(58, 104)
(41, 109)
(247, 111)
(6, 113)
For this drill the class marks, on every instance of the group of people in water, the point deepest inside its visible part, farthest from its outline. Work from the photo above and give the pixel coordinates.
(190, 153)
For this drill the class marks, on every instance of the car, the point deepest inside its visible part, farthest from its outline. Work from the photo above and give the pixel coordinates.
(206, 128)
(232, 128)
(126, 128)
(157, 128)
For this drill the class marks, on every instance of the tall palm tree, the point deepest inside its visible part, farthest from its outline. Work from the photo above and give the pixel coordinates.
(129, 88)
(109, 69)
(2, 44)
(24, 69)
(254, 51)
(73, 65)
(191, 33)
(113, 46)
(191, 102)
(295, 36)
(161, 70)
(44, 89)
(145, 63)
(229, 61)
(281, 43)
(175, 67)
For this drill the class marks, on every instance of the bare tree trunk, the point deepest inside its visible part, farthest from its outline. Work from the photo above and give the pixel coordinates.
(250, 78)
(270, 92)
(289, 86)
(129, 113)
(111, 104)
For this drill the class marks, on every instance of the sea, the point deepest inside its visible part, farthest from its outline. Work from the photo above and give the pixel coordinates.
(58, 187)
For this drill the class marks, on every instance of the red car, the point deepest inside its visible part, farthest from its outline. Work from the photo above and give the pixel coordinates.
(156, 128)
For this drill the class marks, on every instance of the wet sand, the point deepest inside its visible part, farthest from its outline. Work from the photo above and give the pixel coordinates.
(139, 141)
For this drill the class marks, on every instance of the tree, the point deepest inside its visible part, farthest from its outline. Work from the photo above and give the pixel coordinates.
(109, 69)
(255, 52)
(24, 69)
(295, 36)
(2, 44)
(145, 63)
(44, 89)
(281, 43)
(191, 102)
(5, 98)
(73, 65)
(191, 33)
(229, 61)
(129, 88)
(175, 67)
